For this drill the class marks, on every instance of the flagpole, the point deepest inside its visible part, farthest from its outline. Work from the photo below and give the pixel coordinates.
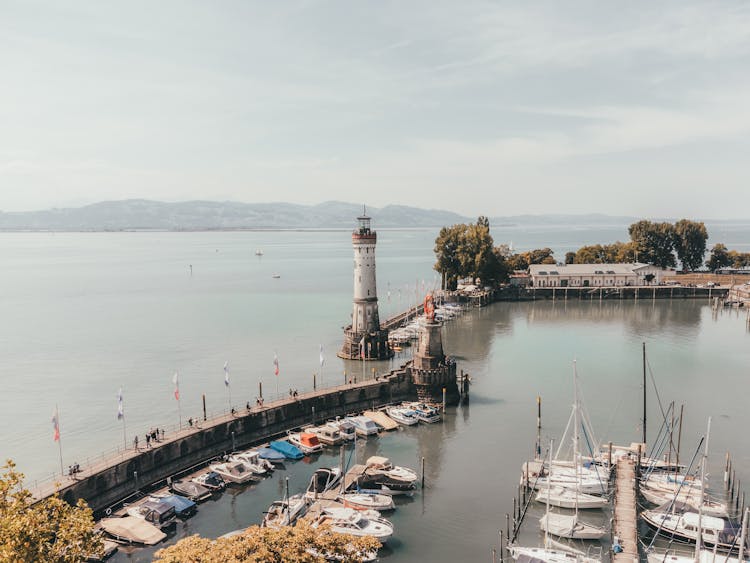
(227, 385)
(59, 440)
(122, 416)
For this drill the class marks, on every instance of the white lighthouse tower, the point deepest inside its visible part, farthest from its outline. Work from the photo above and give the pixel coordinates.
(364, 339)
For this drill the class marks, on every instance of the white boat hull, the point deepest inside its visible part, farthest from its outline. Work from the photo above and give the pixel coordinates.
(568, 526)
(564, 498)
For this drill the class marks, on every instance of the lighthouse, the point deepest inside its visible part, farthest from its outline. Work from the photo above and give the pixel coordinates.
(364, 339)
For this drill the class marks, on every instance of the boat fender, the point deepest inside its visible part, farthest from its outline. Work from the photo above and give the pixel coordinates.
(108, 512)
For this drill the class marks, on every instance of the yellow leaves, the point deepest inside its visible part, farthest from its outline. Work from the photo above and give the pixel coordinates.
(50, 530)
(300, 544)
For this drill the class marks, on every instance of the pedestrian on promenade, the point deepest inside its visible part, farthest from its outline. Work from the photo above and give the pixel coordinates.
(148, 440)
(135, 442)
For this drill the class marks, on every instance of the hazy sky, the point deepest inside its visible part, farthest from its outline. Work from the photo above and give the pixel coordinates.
(638, 108)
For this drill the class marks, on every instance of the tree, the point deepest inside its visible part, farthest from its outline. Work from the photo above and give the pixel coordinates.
(301, 543)
(654, 243)
(466, 251)
(719, 257)
(690, 243)
(615, 253)
(50, 530)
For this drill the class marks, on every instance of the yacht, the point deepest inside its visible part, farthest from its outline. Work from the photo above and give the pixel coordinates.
(570, 498)
(683, 524)
(132, 530)
(569, 526)
(710, 507)
(234, 472)
(191, 490)
(549, 555)
(366, 501)
(385, 478)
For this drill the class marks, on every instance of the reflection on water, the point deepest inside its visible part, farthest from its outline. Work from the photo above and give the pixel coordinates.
(514, 352)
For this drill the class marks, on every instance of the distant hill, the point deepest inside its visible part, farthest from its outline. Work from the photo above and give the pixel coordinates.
(141, 214)
(138, 214)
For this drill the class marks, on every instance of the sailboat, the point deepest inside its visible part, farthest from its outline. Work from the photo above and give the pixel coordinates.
(552, 552)
(700, 555)
(567, 525)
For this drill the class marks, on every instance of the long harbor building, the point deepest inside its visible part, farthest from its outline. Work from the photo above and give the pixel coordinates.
(364, 338)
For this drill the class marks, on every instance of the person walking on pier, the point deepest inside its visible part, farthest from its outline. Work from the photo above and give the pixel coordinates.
(148, 440)
(135, 442)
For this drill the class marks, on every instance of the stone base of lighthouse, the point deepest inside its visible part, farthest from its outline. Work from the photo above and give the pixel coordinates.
(376, 345)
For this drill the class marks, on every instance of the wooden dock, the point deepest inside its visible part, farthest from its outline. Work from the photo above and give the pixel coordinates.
(626, 516)
(382, 420)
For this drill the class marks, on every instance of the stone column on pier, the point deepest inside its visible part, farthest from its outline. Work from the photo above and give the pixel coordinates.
(431, 371)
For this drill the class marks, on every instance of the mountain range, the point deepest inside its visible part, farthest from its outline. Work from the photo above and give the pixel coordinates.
(140, 214)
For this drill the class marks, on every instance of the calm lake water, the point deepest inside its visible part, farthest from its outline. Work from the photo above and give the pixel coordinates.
(84, 314)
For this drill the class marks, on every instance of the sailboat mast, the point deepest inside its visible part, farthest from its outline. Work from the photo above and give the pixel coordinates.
(644, 396)
(699, 539)
(575, 434)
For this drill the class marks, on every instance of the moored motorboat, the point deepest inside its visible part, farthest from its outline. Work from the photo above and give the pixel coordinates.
(183, 506)
(346, 429)
(191, 490)
(682, 522)
(156, 512)
(234, 472)
(132, 530)
(324, 479)
(306, 441)
(425, 413)
(252, 460)
(384, 465)
(285, 512)
(363, 426)
(210, 480)
(327, 435)
(355, 523)
(290, 451)
(272, 456)
(402, 415)
(364, 501)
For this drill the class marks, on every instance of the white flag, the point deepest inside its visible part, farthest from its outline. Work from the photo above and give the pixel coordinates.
(322, 357)
(120, 410)
(226, 373)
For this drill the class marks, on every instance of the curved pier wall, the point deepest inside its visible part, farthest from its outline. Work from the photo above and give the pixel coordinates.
(122, 477)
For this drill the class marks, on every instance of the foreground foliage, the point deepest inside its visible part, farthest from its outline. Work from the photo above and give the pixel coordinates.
(301, 543)
(51, 530)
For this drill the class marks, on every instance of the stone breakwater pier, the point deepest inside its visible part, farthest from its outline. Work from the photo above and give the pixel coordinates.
(107, 483)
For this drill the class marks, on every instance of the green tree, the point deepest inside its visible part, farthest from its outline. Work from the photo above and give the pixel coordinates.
(467, 251)
(299, 544)
(719, 257)
(654, 243)
(50, 530)
(690, 243)
(739, 259)
(615, 253)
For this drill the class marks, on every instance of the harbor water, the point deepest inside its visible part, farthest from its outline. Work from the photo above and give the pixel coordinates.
(85, 314)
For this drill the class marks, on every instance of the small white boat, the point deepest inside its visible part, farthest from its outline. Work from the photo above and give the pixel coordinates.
(285, 512)
(346, 429)
(258, 252)
(402, 415)
(305, 441)
(252, 460)
(275, 276)
(323, 480)
(424, 412)
(569, 526)
(355, 523)
(210, 480)
(363, 426)
(716, 531)
(131, 529)
(568, 498)
(673, 482)
(327, 435)
(549, 555)
(364, 501)
(233, 472)
(383, 465)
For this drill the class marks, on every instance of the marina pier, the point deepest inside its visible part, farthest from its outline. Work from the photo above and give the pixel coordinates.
(625, 521)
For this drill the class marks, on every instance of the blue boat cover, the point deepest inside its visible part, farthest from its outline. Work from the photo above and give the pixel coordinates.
(271, 455)
(181, 505)
(290, 451)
